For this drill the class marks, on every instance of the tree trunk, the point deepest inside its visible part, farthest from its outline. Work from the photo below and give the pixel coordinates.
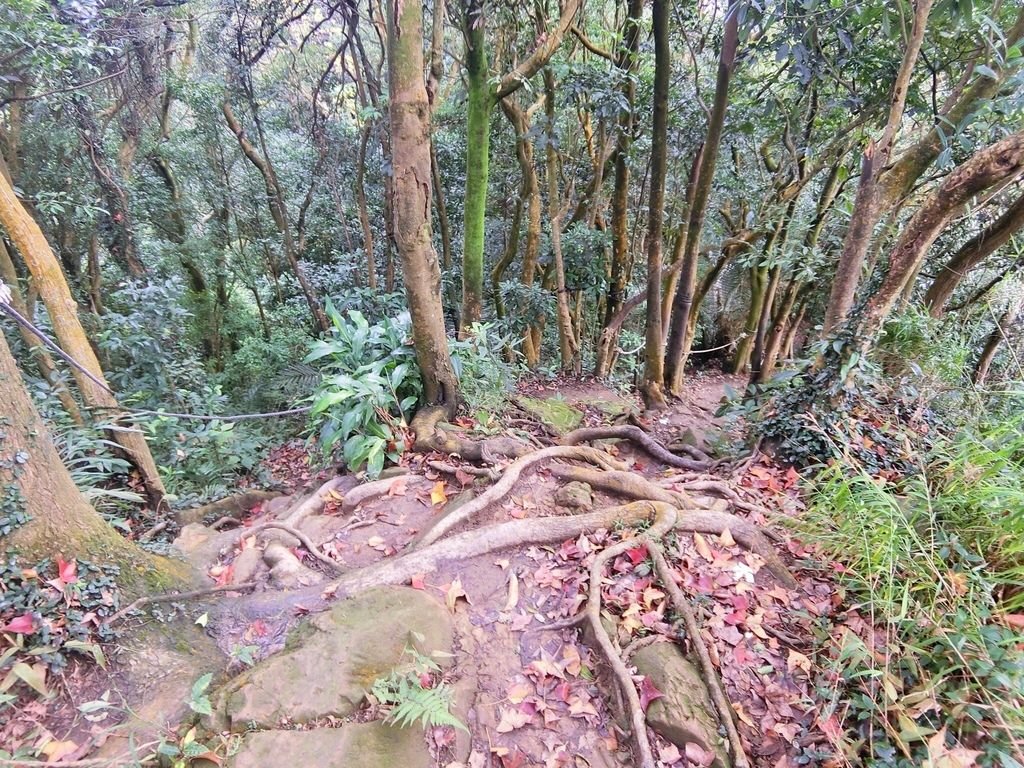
(409, 113)
(999, 333)
(568, 349)
(61, 522)
(364, 213)
(618, 278)
(654, 347)
(41, 355)
(983, 170)
(478, 133)
(680, 337)
(869, 205)
(758, 288)
(53, 288)
(971, 254)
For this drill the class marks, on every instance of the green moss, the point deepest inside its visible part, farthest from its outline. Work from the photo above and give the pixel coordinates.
(557, 414)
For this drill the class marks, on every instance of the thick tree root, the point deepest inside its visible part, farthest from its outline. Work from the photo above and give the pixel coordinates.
(429, 437)
(314, 503)
(375, 488)
(638, 436)
(682, 607)
(450, 469)
(303, 539)
(637, 487)
(508, 480)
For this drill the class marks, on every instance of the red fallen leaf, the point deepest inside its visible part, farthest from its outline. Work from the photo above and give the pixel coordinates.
(648, 693)
(792, 477)
(1014, 620)
(742, 654)
(416, 582)
(637, 555)
(514, 759)
(21, 625)
(67, 572)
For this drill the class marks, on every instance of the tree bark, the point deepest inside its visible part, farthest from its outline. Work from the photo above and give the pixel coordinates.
(409, 113)
(53, 288)
(995, 338)
(971, 254)
(364, 213)
(869, 205)
(983, 170)
(680, 338)
(654, 363)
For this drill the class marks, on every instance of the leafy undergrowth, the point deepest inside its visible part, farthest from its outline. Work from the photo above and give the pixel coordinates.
(51, 616)
(926, 666)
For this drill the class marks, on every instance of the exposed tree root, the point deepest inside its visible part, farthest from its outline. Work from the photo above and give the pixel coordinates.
(692, 451)
(682, 607)
(314, 503)
(158, 528)
(665, 519)
(303, 539)
(191, 595)
(450, 469)
(637, 487)
(233, 506)
(376, 488)
(723, 490)
(638, 436)
(429, 437)
(508, 480)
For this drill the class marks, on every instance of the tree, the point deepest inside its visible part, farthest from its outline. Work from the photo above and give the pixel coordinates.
(482, 97)
(60, 522)
(409, 113)
(48, 279)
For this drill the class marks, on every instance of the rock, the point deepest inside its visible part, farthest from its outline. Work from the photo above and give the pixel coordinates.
(334, 659)
(575, 495)
(246, 565)
(354, 745)
(556, 414)
(685, 714)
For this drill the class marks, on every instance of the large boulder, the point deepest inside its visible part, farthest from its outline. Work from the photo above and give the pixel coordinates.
(333, 660)
(354, 745)
(684, 714)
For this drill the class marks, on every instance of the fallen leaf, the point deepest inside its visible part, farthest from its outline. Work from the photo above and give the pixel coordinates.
(57, 750)
(417, 581)
(698, 756)
(511, 719)
(648, 693)
(398, 486)
(67, 571)
(669, 754)
(437, 494)
(726, 539)
(701, 545)
(797, 660)
(513, 591)
(22, 625)
(453, 593)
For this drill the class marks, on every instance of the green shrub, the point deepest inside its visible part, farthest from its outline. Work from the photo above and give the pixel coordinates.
(932, 562)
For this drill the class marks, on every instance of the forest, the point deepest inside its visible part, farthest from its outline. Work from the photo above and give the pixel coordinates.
(485, 384)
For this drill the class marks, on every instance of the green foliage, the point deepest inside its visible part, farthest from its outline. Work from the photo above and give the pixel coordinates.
(51, 610)
(933, 561)
(484, 377)
(370, 384)
(199, 701)
(414, 694)
(914, 342)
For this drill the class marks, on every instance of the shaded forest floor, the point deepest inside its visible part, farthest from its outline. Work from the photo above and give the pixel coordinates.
(529, 694)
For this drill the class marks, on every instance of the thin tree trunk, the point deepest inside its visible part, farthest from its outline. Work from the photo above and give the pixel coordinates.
(364, 213)
(995, 338)
(654, 363)
(680, 338)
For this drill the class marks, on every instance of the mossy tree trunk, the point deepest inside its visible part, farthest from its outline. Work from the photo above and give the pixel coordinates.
(61, 522)
(48, 279)
(409, 113)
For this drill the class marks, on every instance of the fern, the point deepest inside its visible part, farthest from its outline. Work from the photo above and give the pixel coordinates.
(410, 702)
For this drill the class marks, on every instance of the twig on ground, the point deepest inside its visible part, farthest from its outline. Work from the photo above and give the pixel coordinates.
(171, 597)
(303, 539)
(638, 436)
(682, 607)
(226, 520)
(158, 528)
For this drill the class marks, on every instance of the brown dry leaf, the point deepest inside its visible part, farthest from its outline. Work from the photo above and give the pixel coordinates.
(398, 486)
(797, 660)
(513, 591)
(437, 494)
(571, 660)
(726, 539)
(518, 692)
(453, 593)
(701, 545)
(57, 750)
(376, 542)
(511, 719)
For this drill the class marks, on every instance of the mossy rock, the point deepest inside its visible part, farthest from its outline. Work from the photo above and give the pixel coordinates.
(354, 745)
(332, 661)
(554, 413)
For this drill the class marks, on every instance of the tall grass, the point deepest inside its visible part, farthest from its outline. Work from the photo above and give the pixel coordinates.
(935, 563)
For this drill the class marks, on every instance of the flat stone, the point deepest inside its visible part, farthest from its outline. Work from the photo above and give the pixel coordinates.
(685, 714)
(575, 495)
(556, 414)
(334, 658)
(354, 745)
